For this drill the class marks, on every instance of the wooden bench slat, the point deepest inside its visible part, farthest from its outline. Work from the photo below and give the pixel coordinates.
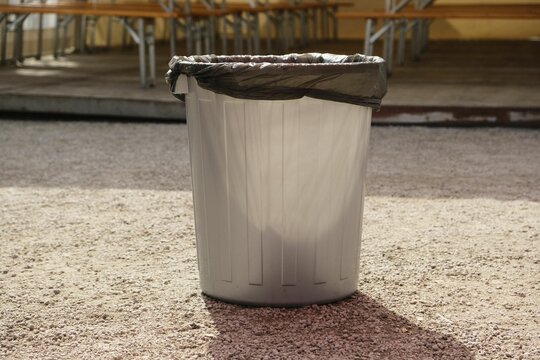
(151, 10)
(106, 10)
(528, 12)
(494, 7)
(82, 10)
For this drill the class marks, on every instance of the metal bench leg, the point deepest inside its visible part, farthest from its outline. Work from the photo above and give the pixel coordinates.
(285, 35)
(415, 53)
(418, 41)
(189, 34)
(292, 29)
(268, 33)
(240, 35)
(142, 51)
(320, 24)
(109, 32)
(256, 34)
(389, 45)
(304, 27)
(309, 28)
(92, 22)
(402, 39)
(151, 41)
(425, 34)
(18, 43)
(286, 32)
(65, 26)
(82, 40)
(314, 20)
(367, 36)
(419, 34)
(249, 34)
(172, 30)
(212, 35)
(237, 34)
(224, 29)
(207, 36)
(3, 50)
(282, 34)
(335, 22)
(326, 24)
(40, 37)
(124, 36)
(63, 38)
(280, 38)
(198, 38)
(172, 37)
(56, 44)
(77, 34)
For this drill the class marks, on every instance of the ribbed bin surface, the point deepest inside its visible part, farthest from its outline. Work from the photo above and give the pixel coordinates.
(278, 195)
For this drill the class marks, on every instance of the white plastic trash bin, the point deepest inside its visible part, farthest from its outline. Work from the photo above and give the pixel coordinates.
(278, 189)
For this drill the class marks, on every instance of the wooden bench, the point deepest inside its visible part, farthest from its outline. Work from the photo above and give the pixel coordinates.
(434, 12)
(144, 15)
(138, 22)
(281, 16)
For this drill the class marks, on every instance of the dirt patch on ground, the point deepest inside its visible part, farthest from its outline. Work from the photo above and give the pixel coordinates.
(97, 256)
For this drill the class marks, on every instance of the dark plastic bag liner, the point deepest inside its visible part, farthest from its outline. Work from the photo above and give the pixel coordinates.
(355, 79)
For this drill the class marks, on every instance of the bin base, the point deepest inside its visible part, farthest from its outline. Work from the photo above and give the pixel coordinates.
(280, 305)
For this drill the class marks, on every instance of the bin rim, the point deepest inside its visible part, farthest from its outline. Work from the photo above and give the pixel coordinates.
(296, 59)
(356, 79)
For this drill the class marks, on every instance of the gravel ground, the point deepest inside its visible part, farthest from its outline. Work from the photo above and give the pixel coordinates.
(97, 256)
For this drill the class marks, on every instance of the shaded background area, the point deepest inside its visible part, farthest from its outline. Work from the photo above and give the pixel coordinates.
(98, 254)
